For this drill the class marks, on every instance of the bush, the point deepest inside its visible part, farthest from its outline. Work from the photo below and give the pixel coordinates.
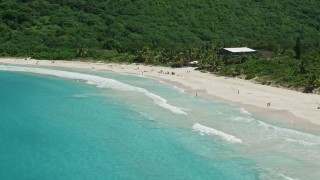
(250, 76)
(176, 65)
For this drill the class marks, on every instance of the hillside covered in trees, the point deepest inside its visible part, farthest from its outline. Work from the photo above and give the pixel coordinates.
(169, 32)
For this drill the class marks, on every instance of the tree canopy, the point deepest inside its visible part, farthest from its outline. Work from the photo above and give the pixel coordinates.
(30, 27)
(170, 32)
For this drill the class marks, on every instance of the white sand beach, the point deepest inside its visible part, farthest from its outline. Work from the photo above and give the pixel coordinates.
(297, 108)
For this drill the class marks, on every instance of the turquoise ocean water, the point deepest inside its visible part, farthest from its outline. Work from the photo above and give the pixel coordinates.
(97, 125)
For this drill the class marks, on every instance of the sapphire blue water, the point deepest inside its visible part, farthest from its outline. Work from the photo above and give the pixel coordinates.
(128, 127)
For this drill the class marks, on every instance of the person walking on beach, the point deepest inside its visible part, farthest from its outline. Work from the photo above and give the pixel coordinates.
(268, 104)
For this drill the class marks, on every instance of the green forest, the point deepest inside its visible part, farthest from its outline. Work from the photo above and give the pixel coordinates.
(171, 33)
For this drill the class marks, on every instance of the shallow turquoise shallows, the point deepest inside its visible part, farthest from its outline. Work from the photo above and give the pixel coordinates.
(76, 125)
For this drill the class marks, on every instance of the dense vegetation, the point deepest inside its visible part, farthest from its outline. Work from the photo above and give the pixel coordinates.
(172, 33)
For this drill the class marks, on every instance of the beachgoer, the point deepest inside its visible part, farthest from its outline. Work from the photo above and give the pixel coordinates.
(196, 94)
(268, 104)
(318, 107)
(238, 91)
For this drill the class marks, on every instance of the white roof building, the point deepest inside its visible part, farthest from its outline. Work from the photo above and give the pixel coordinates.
(193, 62)
(240, 50)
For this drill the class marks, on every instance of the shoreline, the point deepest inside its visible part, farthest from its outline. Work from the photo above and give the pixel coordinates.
(283, 115)
(293, 108)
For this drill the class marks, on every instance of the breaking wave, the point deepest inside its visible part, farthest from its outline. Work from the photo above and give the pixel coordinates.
(286, 177)
(290, 135)
(178, 89)
(204, 130)
(266, 131)
(301, 142)
(96, 81)
(242, 119)
(243, 111)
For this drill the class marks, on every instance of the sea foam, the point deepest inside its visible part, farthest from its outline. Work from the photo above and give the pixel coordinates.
(287, 178)
(97, 81)
(267, 131)
(301, 142)
(290, 135)
(243, 111)
(178, 89)
(210, 131)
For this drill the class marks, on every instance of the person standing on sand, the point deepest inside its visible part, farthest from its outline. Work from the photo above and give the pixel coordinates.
(268, 104)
